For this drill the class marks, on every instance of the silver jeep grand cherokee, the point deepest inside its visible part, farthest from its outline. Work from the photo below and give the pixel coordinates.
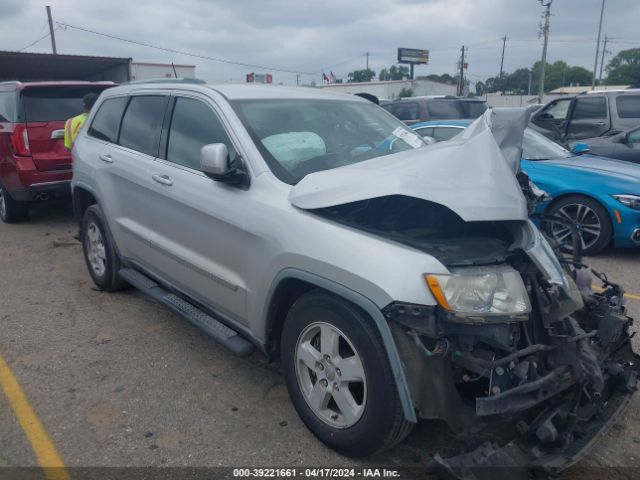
(394, 280)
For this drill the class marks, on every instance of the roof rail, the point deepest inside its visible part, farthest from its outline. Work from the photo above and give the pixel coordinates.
(196, 81)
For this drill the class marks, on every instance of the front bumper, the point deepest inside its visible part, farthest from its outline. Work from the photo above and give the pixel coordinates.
(557, 396)
(523, 455)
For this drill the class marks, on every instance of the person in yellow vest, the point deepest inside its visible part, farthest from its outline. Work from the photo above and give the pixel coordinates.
(73, 125)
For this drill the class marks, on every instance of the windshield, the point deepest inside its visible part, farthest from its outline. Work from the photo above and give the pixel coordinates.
(299, 137)
(536, 146)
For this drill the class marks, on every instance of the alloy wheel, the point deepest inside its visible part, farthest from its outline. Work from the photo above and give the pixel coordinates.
(331, 375)
(96, 253)
(586, 222)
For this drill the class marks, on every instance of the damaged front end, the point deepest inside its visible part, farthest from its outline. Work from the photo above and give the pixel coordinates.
(517, 339)
(560, 374)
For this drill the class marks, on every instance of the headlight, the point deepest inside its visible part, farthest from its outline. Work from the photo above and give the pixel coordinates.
(481, 291)
(631, 201)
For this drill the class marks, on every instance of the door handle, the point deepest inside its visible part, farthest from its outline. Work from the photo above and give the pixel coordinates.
(163, 179)
(106, 158)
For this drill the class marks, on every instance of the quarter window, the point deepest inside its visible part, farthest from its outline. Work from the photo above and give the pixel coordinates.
(107, 120)
(7, 106)
(194, 125)
(590, 107)
(142, 123)
(628, 106)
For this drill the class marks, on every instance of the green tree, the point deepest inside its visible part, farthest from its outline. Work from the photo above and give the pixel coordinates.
(624, 68)
(405, 92)
(364, 75)
(394, 73)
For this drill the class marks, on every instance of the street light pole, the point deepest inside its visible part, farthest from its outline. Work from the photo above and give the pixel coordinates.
(545, 32)
(595, 62)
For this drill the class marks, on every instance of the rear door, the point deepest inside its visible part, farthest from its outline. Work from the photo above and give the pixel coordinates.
(123, 171)
(45, 111)
(589, 117)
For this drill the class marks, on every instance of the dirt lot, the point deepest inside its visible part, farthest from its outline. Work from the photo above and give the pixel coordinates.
(118, 380)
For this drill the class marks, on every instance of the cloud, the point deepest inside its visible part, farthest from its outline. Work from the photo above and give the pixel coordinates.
(307, 36)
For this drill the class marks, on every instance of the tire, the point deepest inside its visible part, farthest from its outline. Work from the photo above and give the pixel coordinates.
(373, 419)
(591, 218)
(11, 210)
(100, 255)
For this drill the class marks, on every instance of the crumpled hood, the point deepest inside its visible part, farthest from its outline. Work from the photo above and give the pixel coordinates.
(599, 165)
(469, 175)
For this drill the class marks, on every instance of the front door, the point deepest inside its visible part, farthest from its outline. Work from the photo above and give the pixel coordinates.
(199, 238)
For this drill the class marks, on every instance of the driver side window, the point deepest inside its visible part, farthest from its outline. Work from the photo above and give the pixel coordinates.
(194, 125)
(557, 110)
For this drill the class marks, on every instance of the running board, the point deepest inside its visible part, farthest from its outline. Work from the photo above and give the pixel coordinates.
(212, 327)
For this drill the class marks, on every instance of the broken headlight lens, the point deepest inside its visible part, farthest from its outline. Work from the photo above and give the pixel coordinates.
(480, 291)
(631, 201)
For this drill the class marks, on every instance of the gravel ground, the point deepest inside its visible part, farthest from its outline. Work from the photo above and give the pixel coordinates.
(118, 380)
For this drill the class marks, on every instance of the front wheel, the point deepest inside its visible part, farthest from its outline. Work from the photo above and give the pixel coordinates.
(339, 377)
(591, 221)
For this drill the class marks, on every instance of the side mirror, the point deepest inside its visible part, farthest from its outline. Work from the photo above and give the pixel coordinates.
(580, 148)
(545, 116)
(429, 140)
(214, 163)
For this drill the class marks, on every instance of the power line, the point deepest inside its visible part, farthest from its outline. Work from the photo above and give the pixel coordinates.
(37, 41)
(189, 54)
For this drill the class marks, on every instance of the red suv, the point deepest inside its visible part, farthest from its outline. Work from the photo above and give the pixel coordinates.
(34, 164)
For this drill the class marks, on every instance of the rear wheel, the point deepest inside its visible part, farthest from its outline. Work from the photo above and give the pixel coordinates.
(591, 221)
(11, 210)
(338, 376)
(99, 253)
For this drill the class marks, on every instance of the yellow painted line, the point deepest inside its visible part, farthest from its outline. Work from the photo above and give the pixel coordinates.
(626, 295)
(41, 444)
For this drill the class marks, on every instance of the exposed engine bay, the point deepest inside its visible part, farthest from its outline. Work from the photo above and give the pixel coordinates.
(559, 372)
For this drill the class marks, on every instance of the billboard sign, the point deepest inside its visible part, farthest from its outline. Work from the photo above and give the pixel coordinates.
(413, 55)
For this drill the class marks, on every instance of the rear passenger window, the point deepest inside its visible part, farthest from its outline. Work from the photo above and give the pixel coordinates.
(142, 123)
(590, 107)
(107, 120)
(445, 109)
(404, 110)
(193, 125)
(628, 106)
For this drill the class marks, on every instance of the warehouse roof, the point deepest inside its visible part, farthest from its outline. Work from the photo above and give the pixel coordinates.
(46, 66)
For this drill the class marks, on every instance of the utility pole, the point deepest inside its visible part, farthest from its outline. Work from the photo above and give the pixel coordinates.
(51, 34)
(545, 33)
(504, 43)
(604, 51)
(595, 62)
(461, 82)
(297, 79)
(367, 55)
(530, 77)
